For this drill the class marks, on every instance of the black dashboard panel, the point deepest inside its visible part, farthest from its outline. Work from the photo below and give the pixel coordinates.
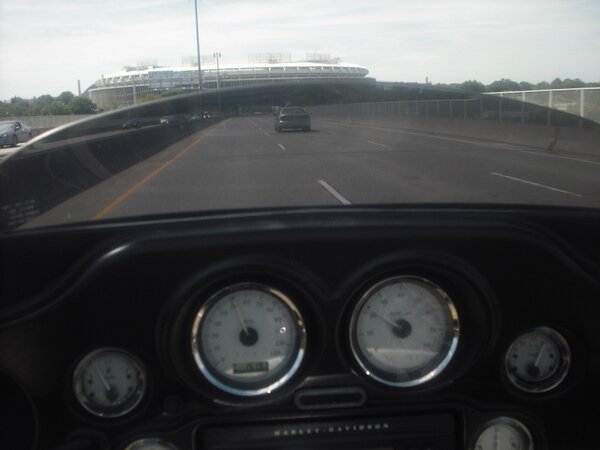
(137, 285)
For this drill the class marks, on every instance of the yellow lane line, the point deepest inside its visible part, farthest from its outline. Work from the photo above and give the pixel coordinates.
(136, 187)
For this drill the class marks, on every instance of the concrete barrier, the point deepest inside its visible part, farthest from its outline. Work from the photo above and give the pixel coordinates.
(48, 172)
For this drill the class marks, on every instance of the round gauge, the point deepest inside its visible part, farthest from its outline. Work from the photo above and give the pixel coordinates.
(150, 444)
(404, 331)
(109, 382)
(538, 361)
(504, 433)
(248, 339)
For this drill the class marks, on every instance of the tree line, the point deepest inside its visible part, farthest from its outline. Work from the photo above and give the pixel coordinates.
(506, 84)
(46, 105)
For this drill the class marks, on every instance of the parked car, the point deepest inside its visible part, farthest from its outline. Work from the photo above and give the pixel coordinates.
(132, 123)
(292, 117)
(13, 132)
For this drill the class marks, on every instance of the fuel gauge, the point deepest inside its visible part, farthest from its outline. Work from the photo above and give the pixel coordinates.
(538, 361)
(504, 433)
(109, 382)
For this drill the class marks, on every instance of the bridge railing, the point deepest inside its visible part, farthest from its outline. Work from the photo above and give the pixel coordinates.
(583, 102)
(483, 107)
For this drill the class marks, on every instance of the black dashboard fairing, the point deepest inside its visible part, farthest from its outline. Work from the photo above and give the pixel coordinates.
(136, 285)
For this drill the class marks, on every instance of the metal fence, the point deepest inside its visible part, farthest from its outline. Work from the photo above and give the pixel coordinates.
(583, 102)
(482, 108)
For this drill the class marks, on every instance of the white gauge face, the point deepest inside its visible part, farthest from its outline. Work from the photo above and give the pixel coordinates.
(404, 331)
(109, 382)
(150, 444)
(504, 434)
(538, 361)
(248, 339)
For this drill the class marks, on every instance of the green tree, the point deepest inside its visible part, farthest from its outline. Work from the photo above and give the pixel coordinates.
(542, 85)
(56, 108)
(19, 106)
(65, 97)
(526, 86)
(570, 84)
(81, 105)
(4, 109)
(556, 83)
(504, 84)
(472, 86)
(39, 103)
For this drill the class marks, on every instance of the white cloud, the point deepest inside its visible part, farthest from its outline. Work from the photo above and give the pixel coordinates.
(46, 46)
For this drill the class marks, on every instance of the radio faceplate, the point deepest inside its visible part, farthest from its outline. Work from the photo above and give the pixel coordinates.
(421, 432)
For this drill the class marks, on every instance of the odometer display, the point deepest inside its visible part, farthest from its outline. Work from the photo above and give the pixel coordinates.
(251, 367)
(248, 339)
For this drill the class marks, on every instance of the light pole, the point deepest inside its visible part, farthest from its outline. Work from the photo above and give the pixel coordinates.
(198, 47)
(217, 55)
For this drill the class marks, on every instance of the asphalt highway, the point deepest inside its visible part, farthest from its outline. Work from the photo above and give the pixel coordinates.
(243, 163)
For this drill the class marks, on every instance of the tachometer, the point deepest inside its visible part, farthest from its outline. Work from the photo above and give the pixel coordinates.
(404, 331)
(248, 339)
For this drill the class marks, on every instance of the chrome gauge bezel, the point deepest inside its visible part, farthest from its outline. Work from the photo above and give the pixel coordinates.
(556, 378)
(287, 372)
(519, 426)
(122, 410)
(141, 444)
(449, 348)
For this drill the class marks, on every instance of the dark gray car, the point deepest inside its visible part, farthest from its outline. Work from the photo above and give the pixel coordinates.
(13, 132)
(292, 118)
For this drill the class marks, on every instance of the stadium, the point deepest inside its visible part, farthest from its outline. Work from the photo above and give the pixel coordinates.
(125, 87)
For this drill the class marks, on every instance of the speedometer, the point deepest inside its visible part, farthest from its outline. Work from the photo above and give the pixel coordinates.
(248, 339)
(404, 331)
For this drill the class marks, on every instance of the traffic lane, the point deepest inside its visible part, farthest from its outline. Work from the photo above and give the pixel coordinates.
(237, 166)
(573, 175)
(247, 169)
(424, 168)
(240, 166)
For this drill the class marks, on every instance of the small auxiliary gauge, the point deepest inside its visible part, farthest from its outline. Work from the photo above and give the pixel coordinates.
(109, 382)
(538, 361)
(150, 444)
(504, 433)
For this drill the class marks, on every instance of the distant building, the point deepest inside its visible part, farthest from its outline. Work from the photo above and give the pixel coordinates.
(123, 88)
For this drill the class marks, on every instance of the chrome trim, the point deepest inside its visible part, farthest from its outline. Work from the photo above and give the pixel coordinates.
(514, 423)
(128, 406)
(556, 378)
(279, 382)
(140, 444)
(444, 300)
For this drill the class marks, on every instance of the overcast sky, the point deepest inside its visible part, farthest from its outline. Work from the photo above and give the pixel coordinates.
(47, 45)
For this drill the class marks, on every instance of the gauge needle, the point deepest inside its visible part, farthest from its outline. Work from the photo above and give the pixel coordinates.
(239, 314)
(539, 356)
(106, 385)
(391, 322)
